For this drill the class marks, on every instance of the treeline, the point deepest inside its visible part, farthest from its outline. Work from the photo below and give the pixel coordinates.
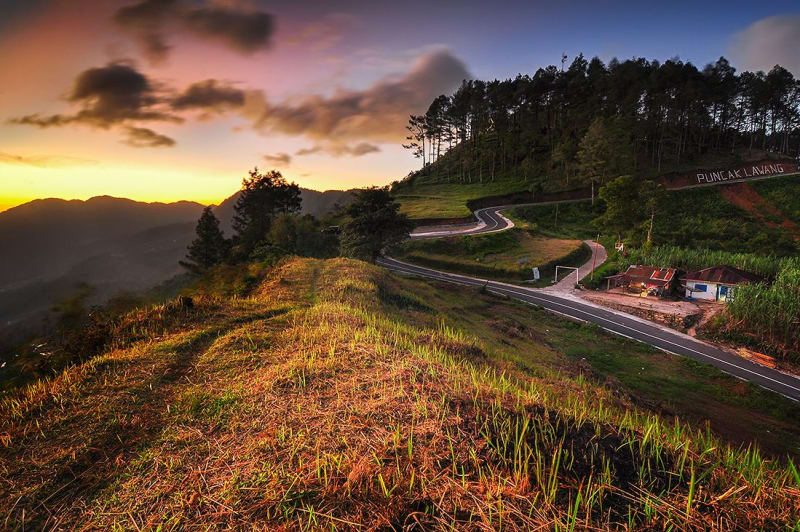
(267, 227)
(589, 122)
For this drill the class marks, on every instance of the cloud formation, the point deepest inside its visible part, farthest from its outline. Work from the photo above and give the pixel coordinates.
(108, 96)
(142, 137)
(338, 150)
(118, 95)
(378, 113)
(767, 42)
(280, 159)
(209, 95)
(45, 161)
(150, 21)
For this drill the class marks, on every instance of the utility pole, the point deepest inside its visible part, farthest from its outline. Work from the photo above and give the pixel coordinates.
(594, 260)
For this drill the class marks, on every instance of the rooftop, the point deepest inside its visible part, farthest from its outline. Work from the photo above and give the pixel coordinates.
(723, 275)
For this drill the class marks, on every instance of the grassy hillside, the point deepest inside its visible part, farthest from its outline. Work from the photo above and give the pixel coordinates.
(335, 395)
(431, 199)
(744, 218)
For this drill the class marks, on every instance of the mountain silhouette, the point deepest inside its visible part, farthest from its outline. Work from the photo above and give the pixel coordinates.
(49, 246)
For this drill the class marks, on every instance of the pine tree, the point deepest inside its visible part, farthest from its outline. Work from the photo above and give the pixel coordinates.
(593, 153)
(209, 248)
(375, 223)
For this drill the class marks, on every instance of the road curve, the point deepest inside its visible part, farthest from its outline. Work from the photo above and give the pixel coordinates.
(664, 339)
(489, 221)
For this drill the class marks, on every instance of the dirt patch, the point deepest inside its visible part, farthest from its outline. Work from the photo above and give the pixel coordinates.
(743, 196)
(676, 314)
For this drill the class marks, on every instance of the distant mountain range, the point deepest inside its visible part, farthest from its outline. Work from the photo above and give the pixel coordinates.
(49, 246)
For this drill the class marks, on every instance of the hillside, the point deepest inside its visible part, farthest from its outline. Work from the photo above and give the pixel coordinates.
(580, 125)
(338, 396)
(758, 217)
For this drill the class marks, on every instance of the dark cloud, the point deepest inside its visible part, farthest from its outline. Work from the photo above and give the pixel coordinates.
(114, 96)
(767, 42)
(108, 96)
(209, 95)
(45, 161)
(280, 159)
(338, 150)
(240, 29)
(142, 137)
(379, 112)
(145, 22)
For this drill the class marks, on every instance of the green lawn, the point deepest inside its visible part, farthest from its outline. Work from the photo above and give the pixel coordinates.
(508, 255)
(449, 200)
(560, 220)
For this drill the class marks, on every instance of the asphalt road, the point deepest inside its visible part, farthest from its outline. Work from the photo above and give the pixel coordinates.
(489, 221)
(664, 339)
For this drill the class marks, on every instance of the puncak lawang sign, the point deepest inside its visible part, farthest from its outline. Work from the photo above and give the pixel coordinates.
(745, 172)
(762, 169)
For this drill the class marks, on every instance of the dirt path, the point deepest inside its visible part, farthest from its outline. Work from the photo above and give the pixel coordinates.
(567, 283)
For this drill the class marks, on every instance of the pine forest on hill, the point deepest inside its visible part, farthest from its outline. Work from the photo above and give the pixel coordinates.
(589, 122)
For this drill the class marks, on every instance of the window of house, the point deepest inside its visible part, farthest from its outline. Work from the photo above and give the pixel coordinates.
(700, 287)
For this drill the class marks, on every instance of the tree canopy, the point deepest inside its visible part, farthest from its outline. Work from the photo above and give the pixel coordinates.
(263, 197)
(374, 224)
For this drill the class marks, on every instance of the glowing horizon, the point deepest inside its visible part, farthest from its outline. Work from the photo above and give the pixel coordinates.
(143, 104)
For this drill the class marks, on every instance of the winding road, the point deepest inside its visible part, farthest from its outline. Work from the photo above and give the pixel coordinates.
(490, 220)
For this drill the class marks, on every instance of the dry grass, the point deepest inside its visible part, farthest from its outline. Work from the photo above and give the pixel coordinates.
(332, 397)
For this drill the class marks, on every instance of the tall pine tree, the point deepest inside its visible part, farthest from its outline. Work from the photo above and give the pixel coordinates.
(209, 248)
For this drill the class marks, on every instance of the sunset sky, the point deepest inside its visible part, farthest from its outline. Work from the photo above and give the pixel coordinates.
(162, 100)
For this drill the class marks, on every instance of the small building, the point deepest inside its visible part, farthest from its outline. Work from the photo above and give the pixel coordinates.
(717, 283)
(645, 280)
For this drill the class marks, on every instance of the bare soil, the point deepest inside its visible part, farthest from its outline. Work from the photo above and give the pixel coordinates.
(745, 197)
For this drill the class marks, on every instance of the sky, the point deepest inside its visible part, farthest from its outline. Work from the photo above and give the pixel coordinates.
(167, 100)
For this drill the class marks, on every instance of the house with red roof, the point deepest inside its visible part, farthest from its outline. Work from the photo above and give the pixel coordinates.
(645, 280)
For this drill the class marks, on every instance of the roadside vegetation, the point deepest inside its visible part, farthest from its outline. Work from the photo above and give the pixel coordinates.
(335, 395)
(765, 317)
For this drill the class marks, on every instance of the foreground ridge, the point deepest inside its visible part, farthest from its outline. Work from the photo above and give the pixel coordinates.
(336, 395)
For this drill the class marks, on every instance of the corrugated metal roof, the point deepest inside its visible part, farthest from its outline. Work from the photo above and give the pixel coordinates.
(648, 275)
(723, 275)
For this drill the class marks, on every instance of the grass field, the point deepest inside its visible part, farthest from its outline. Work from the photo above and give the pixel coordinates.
(561, 220)
(334, 395)
(449, 200)
(508, 255)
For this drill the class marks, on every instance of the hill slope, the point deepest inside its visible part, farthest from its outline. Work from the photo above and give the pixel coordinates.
(334, 397)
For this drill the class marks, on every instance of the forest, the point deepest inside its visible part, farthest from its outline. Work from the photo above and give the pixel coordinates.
(584, 123)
